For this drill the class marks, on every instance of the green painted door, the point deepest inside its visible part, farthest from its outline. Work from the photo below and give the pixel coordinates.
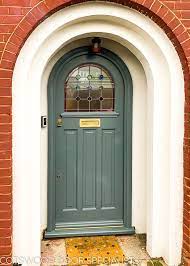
(89, 168)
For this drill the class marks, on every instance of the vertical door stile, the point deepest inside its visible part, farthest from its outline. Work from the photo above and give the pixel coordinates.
(80, 170)
(99, 169)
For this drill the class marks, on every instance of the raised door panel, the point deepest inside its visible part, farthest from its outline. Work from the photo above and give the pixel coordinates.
(108, 169)
(89, 169)
(70, 170)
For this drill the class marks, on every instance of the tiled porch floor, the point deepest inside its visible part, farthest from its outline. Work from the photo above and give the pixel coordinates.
(54, 252)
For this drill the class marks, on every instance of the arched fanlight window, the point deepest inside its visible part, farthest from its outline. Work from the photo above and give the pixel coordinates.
(89, 88)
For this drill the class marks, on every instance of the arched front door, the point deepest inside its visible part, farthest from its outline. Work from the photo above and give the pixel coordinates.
(90, 114)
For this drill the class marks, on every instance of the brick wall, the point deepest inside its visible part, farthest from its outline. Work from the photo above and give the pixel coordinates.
(17, 20)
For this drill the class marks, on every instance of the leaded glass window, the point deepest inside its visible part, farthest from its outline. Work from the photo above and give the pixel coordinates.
(89, 88)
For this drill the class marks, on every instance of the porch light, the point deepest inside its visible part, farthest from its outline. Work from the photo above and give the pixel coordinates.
(96, 47)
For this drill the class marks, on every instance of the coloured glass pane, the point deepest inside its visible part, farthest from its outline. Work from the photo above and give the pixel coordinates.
(89, 88)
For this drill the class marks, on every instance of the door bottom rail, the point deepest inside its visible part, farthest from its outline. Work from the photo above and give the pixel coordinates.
(89, 231)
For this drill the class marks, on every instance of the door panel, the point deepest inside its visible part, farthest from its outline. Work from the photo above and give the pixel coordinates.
(108, 169)
(70, 170)
(89, 169)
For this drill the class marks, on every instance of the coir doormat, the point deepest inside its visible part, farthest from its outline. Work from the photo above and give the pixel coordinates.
(93, 250)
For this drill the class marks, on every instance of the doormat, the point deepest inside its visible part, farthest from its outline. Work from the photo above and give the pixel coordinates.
(93, 250)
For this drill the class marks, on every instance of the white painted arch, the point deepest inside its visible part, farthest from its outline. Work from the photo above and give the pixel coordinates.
(158, 113)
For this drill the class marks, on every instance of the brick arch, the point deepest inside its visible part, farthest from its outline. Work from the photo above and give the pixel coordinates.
(29, 14)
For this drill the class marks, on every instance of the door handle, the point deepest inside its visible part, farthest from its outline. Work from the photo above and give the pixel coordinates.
(59, 121)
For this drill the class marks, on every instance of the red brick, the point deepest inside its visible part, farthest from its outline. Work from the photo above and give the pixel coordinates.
(2, 46)
(10, 19)
(156, 6)
(5, 137)
(15, 11)
(5, 82)
(162, 11)
(185, 14)
(5, 110)
(6, 214)
(5, 128)
(178, 13)
(174, 23)
(12, 48)
(37, 13)
(186, 44)
(6, 36)
(186, 238)
(54, 3)
(5, 190)
(182, 5)
(139, 1)
(16, 40)
(25, 10)
(186, 246)
(5, 155)
(5, 206)
(5, 92)
(6, 241)
(187, 52)
(169, 4)
(187, 182)
(7, 64)
(22, 33)
(5, 146)
(1, 37)
(186, 22)
(6, 28)
(25, 26)
(168, 17)
(5, 73)
(5, 172)
(5, 224)
(186, 230)
(186, 262)
(5, 119)
(9, 56)
(20, 3)
(148, 3)
(34, 2)
(5, 100)
(43, 8)
(187, 191)
(6, 250)
(183, 37)
(4, 10)
(5, 198)
(31, 19)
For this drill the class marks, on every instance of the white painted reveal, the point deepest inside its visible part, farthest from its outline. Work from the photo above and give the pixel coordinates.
(158, 106)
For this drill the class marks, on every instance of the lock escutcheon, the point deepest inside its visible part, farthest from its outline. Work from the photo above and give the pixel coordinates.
(59, 121)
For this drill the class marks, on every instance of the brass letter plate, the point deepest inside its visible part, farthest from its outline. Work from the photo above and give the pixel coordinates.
(90, 122)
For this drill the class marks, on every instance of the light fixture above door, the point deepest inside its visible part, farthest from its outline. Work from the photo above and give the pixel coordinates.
(96, 45)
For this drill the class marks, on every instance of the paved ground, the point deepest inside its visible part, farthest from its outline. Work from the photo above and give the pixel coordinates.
(54, 252)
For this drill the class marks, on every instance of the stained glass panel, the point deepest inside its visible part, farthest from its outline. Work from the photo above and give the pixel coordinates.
(89, 88)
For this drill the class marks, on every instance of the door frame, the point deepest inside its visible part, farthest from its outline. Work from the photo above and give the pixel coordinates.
(51, 231)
